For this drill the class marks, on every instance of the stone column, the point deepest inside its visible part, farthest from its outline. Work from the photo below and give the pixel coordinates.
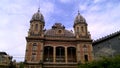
(78, 53)
(54, 54)
(66, 55)
(41, 54)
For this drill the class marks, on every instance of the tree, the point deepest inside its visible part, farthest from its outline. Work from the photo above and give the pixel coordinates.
(21, 65)
(106, 62)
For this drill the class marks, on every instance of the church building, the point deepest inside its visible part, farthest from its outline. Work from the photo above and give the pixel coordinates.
(57, 47)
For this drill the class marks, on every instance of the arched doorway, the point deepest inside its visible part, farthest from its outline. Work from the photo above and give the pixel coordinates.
(71, 54)
(48, 54)
(60, 54)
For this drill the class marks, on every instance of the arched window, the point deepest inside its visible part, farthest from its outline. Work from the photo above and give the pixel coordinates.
(48, 54)
(34, 47)
(40, 27)
(33, 57)
(36, 27)
(32, 27)
(71, 54)
(60, 54)
(82, 29)
(77, 29)
(85, 48)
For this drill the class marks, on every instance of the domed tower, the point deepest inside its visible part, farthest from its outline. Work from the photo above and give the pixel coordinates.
(80, 26)
(37, 24)
(34, 46)
(84, 41)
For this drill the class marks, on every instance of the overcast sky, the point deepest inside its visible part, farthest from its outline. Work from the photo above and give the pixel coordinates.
(102, 16)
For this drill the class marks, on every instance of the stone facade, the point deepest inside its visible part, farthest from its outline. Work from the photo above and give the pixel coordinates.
(57, 47)
(108, 46)
(5, 60)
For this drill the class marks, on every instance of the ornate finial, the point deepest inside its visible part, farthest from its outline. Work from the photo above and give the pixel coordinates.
(78, 12)
(38, 9)
(39, 6)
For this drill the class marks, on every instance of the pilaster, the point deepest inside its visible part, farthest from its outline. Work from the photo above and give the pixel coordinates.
(41, 51)
(54, 54)
(66, 58)
(78, 53)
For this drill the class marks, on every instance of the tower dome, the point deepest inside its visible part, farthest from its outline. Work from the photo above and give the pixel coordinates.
(37, 17)
(79, 19)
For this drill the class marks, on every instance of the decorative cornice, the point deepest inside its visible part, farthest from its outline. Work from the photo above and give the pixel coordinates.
(70, 39)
